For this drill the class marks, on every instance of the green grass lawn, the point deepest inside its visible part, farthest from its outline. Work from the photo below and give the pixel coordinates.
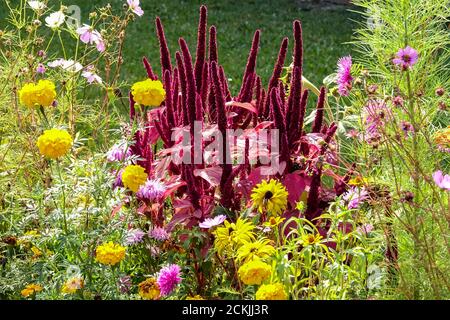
(325, 31)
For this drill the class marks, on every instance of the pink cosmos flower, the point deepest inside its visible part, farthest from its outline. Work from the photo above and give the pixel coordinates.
(344, 76)
(212, 222)
(90, 36)
(406, 57)
(169, 278)
(91, 77)
(441, 180)
(135, 7)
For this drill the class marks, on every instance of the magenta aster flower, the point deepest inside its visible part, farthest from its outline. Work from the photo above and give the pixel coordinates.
(152, 190)
(354, 197)
(377, 114)
(441, 180)
(406, 57)
(159, 234)
(135, 7)
(134, 236)
(212, 222)
(344, 77)
(169, 278)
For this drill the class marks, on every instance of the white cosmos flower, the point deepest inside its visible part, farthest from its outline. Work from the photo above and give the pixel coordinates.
(36, 5)
(68, 65)
(55, 20)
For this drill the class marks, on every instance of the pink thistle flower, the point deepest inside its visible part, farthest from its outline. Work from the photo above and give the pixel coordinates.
(135, 7)
(344, 77)
(152, 190)
(406, 57)
(212, 222)
(169, 278)
(441, 180)
(159, 234)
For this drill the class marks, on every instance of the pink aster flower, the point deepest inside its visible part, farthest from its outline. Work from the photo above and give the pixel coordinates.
(441, 180)
(406, 57)
(152, 190)
(91, 36)
(355, 197)
(344, 76)
(134, 236)
(212, 222)
(135, 7)
(169, 278)
(159, 234)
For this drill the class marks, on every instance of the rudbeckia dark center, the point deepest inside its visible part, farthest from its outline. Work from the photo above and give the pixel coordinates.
(268, 195)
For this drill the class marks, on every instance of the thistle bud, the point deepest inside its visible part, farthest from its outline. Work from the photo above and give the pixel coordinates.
(440, 92)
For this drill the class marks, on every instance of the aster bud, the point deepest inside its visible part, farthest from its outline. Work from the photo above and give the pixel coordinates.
(372, 89)
(408, 196)
(440, 92)
(37, 23)
(442, 106)
(398, 101)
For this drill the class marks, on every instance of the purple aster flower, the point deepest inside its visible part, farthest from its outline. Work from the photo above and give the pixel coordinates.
(212, 222)
(169, 278)
(159, 234)
(117, 153)
(134, 236)
(406, 57)
(354, 197)
(365, 229)
(441, 180)
(344, 77)
(118, 181)
(152, 190)
(124, 284)
(40, 68)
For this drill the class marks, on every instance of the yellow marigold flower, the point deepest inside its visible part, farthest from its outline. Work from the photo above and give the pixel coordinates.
(310, 239)
(442, 137)
(149, 289)
(255, 250)
(133, 177)
(149, 92)
(72, 285)
(254, 272)
(196, 297)
(30, 289)
(54, 143)
(110, 253)
(271, 196)
(41, 94)
(231, 236)
(274, 291)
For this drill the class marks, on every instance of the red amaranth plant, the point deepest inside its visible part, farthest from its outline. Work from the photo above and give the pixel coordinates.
(198, 92)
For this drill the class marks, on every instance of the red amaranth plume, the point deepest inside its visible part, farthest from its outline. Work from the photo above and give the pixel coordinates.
(213, 56)
(175, 97)
(149, 69)
(205, 88)
(279, 122)
(190, 85)
(164, 49)
(201, 48)
(293, 104)
(183, 88)
(169, 96)
(318, 120)
(298, 45)
(250, 68)
(224, 81)
(276, 73)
